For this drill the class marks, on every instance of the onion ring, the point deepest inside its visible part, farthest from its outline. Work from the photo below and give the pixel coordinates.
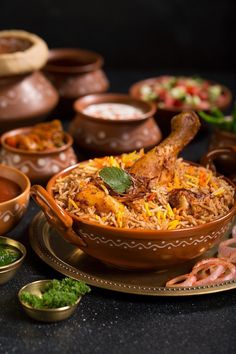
(182, 280)
(227, 252)
(234, 231)
(222, 270)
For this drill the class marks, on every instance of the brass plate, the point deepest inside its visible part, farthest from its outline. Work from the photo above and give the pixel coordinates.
(70, 261)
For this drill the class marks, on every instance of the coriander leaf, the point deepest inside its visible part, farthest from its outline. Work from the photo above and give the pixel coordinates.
(116, 178)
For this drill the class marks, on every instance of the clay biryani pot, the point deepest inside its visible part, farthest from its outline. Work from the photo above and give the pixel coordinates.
(164, 115)
(128, 248)
(26, 96)
(11, 211)
(106, 136)
(39, 166)
(75, 72)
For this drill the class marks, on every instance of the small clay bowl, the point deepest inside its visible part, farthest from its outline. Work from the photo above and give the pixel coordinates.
(105, 136)
(11, 211)
(75, 72)
(225, 162)
(38, 166)
(223, 157)
(8, 271)
(45, 315)
(164, 115)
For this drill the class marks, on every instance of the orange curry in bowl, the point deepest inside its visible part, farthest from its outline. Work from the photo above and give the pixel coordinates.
(42, 137)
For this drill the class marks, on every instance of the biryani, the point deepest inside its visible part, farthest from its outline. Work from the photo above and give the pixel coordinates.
(157, 209)
(152, 191)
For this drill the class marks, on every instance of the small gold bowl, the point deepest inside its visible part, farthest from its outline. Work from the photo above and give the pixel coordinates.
(8, 271)
(45, 315)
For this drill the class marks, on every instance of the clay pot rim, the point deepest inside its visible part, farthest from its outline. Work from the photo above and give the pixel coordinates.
(24, 192)
(95, 61)
(88, 100)
(141, 233)
(69, 143)
(135, 88)
(225, 133)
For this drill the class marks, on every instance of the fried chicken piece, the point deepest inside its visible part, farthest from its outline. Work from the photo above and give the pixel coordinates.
(187, 200)
(91, 195)
(159, 163)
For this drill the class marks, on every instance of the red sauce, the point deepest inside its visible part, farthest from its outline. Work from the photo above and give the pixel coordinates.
(8, 189)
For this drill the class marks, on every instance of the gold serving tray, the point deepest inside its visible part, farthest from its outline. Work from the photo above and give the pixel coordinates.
(70, 261)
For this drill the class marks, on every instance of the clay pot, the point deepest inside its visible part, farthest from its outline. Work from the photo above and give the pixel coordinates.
(105, 136)
(75, 73)
(131, 248)
(25, 99)
(222, 159)
(11, 211)
(164, 115)
(38, 166)
(26, 96)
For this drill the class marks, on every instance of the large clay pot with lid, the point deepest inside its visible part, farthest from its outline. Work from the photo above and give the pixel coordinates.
(26, 96)
(75, 72)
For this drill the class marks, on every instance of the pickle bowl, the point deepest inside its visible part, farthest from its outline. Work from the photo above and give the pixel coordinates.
(8, 271)
(45, 315)
(39, 166)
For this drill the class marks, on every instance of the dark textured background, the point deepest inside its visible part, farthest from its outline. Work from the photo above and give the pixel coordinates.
(152, 37)
(148, 34)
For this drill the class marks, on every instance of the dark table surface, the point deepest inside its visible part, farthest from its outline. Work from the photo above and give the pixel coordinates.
(109, 322)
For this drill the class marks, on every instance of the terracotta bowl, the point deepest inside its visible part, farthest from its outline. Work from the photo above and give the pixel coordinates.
(105, 136)
(164, 115)
(25, 99)
(225, 162)
(12, 210)
(222, 158)
(38, 166)
(129, 248)
(75, 73)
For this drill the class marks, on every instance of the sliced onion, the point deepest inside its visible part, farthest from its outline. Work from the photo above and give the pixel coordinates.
(234, 231)
(220, 270)
(226, 250)
(182, 280)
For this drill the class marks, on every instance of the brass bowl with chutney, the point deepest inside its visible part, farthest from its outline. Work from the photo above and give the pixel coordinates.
(45, 315)
(8, 271)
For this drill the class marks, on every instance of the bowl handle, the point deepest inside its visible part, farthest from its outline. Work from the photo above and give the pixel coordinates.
(208, 159)
(56, 215)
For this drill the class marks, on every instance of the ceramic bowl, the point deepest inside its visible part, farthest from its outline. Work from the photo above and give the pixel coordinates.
(11, 211)
(38, 166)
(45, 315)
(7, 272)
(131, 248)
(75, 72)
(105, 136)
(164, 115)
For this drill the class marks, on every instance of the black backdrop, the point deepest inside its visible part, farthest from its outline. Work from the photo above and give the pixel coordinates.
(140, 34)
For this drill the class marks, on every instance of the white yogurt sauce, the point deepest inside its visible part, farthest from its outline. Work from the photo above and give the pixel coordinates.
(113, 111)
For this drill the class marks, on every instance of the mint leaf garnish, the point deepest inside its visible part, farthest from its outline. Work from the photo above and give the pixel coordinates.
(116, 178)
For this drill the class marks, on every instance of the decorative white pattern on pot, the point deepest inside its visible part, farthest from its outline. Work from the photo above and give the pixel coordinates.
(8, 214)
(138, 140)
(45, 164)
(154, 246)
(38, 93)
